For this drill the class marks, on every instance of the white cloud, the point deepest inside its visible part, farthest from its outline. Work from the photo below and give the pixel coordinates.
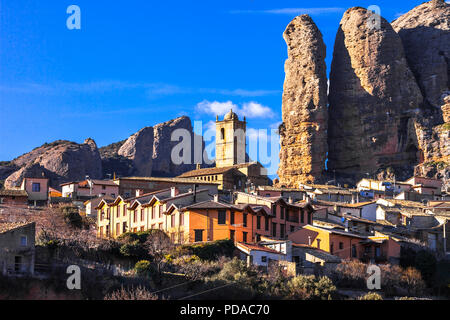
(255, 110)
(249, 109)
(295, 11)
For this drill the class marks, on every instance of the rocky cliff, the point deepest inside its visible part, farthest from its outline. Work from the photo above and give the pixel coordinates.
(148, 152)
(373, 97)
(425, 33)
(304, 129)
(139, 149)
(60, 161)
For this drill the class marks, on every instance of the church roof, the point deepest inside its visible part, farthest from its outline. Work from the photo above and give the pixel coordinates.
(231, 116)
(215, 170)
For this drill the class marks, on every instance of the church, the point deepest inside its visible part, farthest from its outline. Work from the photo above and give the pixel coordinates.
(233, 171)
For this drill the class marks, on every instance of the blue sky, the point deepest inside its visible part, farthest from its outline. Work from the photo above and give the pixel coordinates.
(137, 63)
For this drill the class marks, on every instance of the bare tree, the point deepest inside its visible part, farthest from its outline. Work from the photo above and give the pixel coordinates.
(158, 245)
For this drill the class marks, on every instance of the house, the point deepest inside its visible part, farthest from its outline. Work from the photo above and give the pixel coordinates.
(53, 193)
(286, 193)
(37, 189)
(143, 212)
(14, 197)
(90, 205)
(363, 210)
(90, 188)
(333, 194)
(347, 245)
(426, 186)
(382, 185)
(260, 255)
(310, 260)
(17, 248)
(286, 216)
(129, 186)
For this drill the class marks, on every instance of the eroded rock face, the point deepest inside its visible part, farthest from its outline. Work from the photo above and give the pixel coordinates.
(163, 165)
(303, 132)
(60, 161)
(373, 97)
(139, 149)
(425, 33)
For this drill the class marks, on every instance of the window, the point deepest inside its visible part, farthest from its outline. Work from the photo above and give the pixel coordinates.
(302, 217)
(244, 236)
(274, 229)
(134, 216)
(101, 231)
(118, 211)
(23, 241)
(332, 248)
(107, 231)
(36, 187)
(258, 222)
(142, 215)
(263, 259)
(341, 245)
(198, 235)
(377, 252)
(282, 230)
(222, 134)
(103, 187)
(172, 237)
(309, 218)
(222, 217)
(232, 217)
(266, 222)
(172, 220)
(292, 229)
(160, 210)
(181, 218)
(124, 210)
(318, 243)
(245, 219)
(353, 251)
(274, 210)
(108, 212)
(153, 212)
(124, 227)
(282, 212)
(160, 226)
(232, 235)
(117, 229)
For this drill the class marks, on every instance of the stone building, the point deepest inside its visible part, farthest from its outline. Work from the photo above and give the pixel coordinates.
(232, 171)
(17, 248)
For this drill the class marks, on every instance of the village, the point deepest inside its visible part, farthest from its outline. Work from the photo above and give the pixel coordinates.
(309, 230)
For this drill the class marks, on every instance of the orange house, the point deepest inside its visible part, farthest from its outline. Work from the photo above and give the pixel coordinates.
(347, 245)
(214, 220)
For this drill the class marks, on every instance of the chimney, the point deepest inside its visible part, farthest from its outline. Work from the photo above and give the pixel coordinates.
(304, 196)
(216, 198)
(139, 192)
(173, 191)
(309, 240)
(353, 198)
(290, 200)
(198, 166)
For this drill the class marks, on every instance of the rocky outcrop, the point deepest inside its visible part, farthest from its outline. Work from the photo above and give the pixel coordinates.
(425, 33)
(163, 164)
(139, 149)
(60, 161)
(303, 132)
(373, 97)
(149, 151)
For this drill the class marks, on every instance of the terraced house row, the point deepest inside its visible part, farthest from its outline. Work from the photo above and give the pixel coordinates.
(197, 216)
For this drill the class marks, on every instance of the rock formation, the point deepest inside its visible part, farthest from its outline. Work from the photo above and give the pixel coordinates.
(60, 161)
(139, 149)
(425, 33)
(373, 97)
(163, 146)
(148, 152)
(304, 129)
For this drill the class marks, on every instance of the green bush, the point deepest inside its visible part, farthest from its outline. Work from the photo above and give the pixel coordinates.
(72, 216)
(425, 262)
(134, 250)
(371, 296)
(208, 251)
(144, 268)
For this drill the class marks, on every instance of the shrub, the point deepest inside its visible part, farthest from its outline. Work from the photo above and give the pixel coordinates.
(72, 216)
(310, 288)
(210, 251)
(371, 296)
(139, 293)
(412, 281)
(425, 262)
(351, 273)
(133, 250)
(144, 268)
